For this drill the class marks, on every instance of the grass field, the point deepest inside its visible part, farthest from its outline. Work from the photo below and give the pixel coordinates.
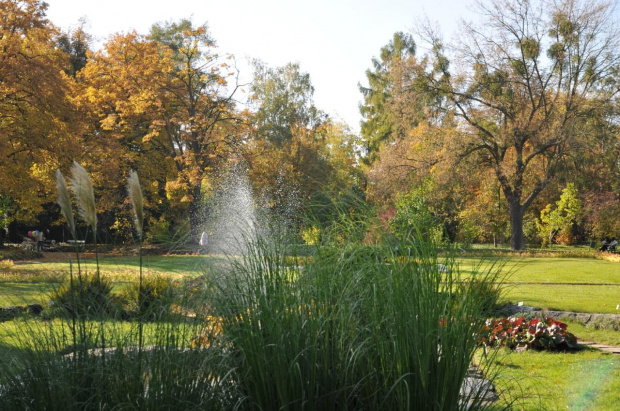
(585, 380)
(565, 284)
(31, 282)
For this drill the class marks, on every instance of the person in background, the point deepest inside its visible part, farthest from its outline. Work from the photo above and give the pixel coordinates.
(204, 240)
(39, 237)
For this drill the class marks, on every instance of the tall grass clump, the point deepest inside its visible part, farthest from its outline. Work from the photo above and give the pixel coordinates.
(359, 326)
(47, 373)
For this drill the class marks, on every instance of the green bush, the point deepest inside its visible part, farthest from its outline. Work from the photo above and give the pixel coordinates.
(87, 295)
(153, 299)
(50, 372)
(357, 327)
(487, 293)
(163, 232)
(414, 219)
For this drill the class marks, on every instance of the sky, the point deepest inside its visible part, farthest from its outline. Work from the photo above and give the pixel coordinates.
(332, 40)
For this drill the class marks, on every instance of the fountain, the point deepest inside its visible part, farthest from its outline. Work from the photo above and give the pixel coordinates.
(231, 215)
(235, 214)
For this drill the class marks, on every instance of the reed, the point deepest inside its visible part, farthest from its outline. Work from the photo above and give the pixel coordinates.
(82, 189)
(135, 195)
(357, 327)
(64, 200)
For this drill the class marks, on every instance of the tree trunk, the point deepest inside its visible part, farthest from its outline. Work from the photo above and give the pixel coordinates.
(195, 215)
(517, 240)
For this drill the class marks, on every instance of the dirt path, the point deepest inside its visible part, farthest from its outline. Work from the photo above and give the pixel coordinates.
(603, 347)
(54, 256)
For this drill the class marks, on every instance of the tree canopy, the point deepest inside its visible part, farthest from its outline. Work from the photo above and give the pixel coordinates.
(36, 113)
(472, 135)
(518, 89)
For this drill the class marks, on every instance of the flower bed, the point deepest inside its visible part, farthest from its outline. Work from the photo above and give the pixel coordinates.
(519, 333)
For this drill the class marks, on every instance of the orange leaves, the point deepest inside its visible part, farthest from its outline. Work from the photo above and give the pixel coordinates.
(38, 118)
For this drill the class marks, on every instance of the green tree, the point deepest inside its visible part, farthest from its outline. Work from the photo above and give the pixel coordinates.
(414, 216)
(379, 119)
(76, 44)
(561, 219)
(283, 100)
(532, 73)
(287, 157)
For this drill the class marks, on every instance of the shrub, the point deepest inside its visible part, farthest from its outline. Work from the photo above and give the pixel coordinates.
(51, 372)
(155, 300)
(86, 295)
(357, 327)
(486, 293)
(558, 223)
(311, 235)
(519, 333)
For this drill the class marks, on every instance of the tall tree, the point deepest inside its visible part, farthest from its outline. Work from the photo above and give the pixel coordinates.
(530, 75)
(122, 95)
(206, 128)
(283, 100)
(36, 115)
(76, 44)
(164, 104)
(379, 123)
(294, 143)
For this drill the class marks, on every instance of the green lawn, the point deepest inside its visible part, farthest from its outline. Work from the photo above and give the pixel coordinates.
(172, 264)
(585, 299)
(552, 270)
(585, 333)
(556, 283)
(30, 283)
(586, 380)
(566, 284)
(22, 293)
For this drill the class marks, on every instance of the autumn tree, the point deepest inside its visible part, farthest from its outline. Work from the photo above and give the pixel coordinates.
(205, 129)
(163, 103)
(404, 138)
(483, 215)
(286, 165)
(36, 115)
(522, 84)
(121, 96)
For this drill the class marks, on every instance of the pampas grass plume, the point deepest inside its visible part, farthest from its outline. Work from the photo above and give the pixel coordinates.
(82, 189)
(64, 201)
(135, 195)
